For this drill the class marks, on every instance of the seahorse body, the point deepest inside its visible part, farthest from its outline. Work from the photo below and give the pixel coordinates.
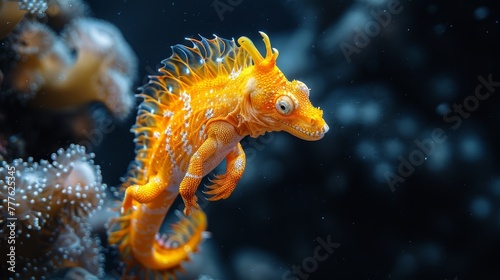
(207, 98)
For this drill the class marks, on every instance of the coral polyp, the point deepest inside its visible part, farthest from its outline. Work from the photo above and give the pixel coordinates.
(53, 200)
(69, 185)
(76, 248)
(77, 182)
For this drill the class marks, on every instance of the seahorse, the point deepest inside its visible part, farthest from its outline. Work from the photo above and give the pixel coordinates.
(207, 97)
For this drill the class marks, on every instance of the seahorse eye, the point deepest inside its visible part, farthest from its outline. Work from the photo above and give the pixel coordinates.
(284, 105)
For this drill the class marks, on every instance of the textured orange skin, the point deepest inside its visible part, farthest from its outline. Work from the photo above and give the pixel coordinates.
(203, 125)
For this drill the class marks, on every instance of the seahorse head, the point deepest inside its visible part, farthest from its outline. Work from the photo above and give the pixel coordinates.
(275, 103)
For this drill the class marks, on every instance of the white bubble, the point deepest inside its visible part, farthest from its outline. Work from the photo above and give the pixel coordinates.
(347, 113)
(342, 31)
(407, 126)
(443, 86)
(366, 150)
(394, 148)
(376, 2)
(369, 113)
(442, 108)
(471, 148)
(406, 264)
(481, 13)
(439, 29)
(431, 254)
(495, 186)
(481, 207)
(380, 170)
(440, 158)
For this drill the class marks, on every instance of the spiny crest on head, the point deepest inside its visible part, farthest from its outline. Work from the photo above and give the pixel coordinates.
(267, 62)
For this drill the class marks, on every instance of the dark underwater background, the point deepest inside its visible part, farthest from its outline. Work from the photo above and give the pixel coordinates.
(405, 185)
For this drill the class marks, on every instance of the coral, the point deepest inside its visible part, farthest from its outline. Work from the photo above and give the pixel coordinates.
(53, 201)
(102, 71)
(70, 185)
(42, 56)
(58, 67)
(77, 182)
(76, 248)
(33, 6)
(12, 12)
(62, 74)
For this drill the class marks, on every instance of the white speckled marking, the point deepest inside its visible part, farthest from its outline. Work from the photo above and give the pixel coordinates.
(209, 113)
(238, 164)
(193, 176)
(168, 114)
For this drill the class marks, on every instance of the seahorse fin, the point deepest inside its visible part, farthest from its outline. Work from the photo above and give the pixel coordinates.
(187, 66)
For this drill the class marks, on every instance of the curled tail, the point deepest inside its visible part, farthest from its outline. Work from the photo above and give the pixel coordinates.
(150, 255)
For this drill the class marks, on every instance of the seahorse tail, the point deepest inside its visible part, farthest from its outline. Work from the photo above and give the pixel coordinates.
(168, 251)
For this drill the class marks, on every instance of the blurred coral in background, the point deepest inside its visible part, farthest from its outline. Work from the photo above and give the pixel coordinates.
(52, 202)
(56, 63)
(62, 74)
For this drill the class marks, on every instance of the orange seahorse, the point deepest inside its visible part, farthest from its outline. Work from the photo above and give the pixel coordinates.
(207, 98)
